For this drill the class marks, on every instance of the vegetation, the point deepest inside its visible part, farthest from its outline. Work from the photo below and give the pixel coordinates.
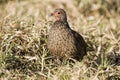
(24, 26)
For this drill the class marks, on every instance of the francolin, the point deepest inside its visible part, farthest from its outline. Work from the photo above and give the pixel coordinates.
(63, 42)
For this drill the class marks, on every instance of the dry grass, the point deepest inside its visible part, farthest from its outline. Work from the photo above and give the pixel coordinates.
(24, 26)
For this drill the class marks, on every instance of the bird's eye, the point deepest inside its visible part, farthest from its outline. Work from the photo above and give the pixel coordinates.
(58, 12)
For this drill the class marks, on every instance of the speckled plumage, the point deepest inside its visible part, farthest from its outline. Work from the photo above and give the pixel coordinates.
(63, 42)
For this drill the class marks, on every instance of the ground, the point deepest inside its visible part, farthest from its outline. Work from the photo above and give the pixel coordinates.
(24, 27)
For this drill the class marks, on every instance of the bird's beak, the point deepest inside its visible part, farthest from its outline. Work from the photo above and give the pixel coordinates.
(51, 14)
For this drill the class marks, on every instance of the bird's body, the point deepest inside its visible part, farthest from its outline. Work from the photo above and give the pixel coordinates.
(63, 42)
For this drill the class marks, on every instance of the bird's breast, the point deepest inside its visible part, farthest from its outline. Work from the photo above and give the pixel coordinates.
(58, 34)
(61, 41)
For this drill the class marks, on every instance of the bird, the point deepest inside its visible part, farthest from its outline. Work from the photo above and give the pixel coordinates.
(63, 42)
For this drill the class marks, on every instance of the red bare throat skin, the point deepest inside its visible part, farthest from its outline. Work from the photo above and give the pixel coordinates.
(57, 16)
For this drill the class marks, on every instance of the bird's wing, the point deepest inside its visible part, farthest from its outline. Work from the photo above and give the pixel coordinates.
(80, 42)
(80, 39)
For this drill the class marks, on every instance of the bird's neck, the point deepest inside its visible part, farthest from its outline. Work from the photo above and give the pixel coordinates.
(65, 23)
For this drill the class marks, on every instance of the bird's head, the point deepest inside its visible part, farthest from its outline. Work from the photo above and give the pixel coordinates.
(59, 15)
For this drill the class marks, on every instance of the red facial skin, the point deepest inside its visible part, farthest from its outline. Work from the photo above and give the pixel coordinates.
(56, 15)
